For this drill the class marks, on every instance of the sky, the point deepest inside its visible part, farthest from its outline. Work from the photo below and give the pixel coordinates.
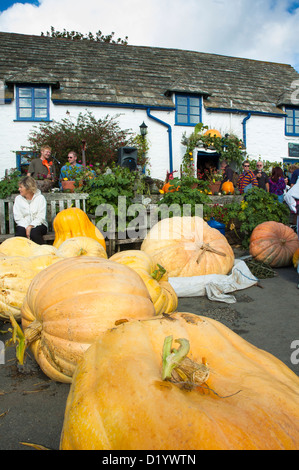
(266, 30)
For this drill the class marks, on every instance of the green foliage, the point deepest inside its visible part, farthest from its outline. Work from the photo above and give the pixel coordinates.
(142, 145)
(10, 183)
(257, 207)
(186, 194)
(225, 213)
(106, 189)
(76, 36)
(103, 138)
(267, 165)
(260, 207)
(229, 147)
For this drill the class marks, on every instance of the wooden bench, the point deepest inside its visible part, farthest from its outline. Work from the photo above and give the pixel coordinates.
(56, 202)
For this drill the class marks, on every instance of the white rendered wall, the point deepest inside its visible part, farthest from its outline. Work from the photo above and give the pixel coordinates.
(265, 136)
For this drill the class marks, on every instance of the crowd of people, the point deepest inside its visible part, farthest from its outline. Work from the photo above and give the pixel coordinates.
(284, 186)
(30, 205)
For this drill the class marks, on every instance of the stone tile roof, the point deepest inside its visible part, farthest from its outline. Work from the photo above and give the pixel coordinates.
(94, 72)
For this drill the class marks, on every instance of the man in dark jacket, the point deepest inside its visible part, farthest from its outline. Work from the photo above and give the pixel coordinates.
(261, 176)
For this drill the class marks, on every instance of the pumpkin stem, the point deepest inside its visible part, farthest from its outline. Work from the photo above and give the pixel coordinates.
(180, 369)
(158, 273)
(23, 339)
(17, 337)
(206, 247)
(171, 358)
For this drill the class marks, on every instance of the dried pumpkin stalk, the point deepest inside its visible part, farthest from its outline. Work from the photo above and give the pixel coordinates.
(180, 369)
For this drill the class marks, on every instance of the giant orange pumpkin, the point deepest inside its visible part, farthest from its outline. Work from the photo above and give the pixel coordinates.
(273, 243)
(73, 222)
(69, 305)
(128, 393)
(188, 246)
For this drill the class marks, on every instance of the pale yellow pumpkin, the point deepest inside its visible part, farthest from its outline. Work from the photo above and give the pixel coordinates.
(162, 294)
(81, 246)
(73, 222)
(71, 303)
(16, 274)
(22, 246)
(188, 246)
(237, 398)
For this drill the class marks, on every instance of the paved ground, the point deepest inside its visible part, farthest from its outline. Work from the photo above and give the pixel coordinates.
(32, 406)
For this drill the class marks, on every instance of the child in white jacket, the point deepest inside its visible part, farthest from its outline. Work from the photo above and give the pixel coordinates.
(30, 211)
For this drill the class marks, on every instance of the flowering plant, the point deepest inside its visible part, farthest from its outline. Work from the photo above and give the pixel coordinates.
(210, 175)
(79, 174)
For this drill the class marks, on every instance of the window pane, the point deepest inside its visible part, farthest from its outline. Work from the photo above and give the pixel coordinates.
(25, 102)
(40, 103)
(182, 118)
(23, 92)
(289, 129)
(297, 130)
(194, 119)
(40, 93)
(40, 113)
(182, 100)
(182, 109)
(194, 110)
(194, 101)
(25, 112)
(296, 113)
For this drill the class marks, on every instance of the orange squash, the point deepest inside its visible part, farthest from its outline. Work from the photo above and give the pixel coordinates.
(273, 243)
(188, 246)
(155, 277)
(81, 246)
(296, 259)
(169, 188)
(213, 133)
(73, 222)
(228, 187)
(123, 397)
(71, 303)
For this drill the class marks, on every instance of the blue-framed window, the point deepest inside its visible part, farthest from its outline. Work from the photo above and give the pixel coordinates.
(23, 160)
(33, 103)
(292, 121)
(188, 110)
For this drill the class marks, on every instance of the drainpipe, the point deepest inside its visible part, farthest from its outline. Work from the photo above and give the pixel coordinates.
(169, 130)
(244, 127)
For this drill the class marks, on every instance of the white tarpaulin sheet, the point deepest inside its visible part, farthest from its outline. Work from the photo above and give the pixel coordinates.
(215, 286)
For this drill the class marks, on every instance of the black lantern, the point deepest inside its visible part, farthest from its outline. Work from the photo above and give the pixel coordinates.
(143, 129)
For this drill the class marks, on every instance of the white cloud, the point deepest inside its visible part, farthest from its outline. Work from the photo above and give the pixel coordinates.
(256, 29)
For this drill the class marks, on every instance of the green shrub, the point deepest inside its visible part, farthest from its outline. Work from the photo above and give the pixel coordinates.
(10, 183)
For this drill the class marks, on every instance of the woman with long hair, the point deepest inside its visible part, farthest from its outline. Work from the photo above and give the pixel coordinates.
(277, 183)
(30, 209)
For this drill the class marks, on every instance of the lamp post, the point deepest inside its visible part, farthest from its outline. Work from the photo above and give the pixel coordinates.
(143, 129)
